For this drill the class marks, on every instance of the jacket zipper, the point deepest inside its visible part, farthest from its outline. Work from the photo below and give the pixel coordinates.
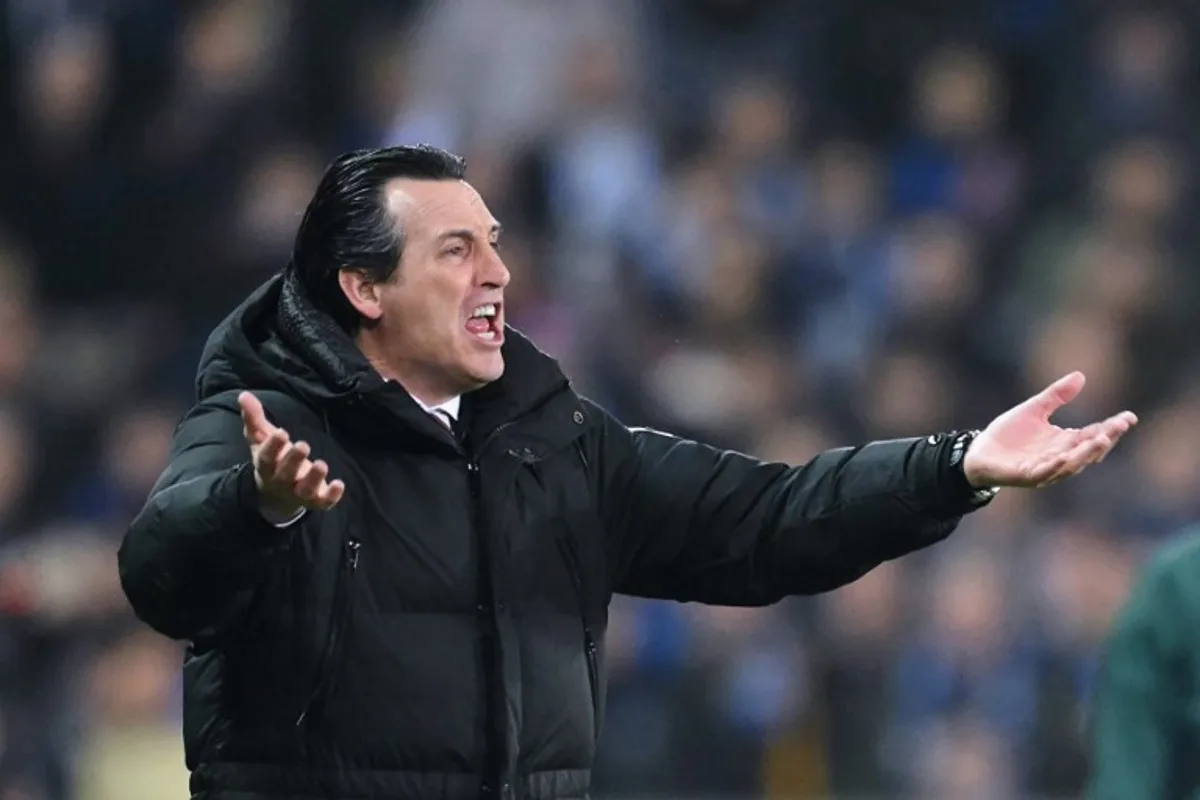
(497, 770)
(343, 595)
(486, 606)
(589, 640)
(486, 589)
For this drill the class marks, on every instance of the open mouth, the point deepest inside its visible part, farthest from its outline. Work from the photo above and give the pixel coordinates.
(485, 323)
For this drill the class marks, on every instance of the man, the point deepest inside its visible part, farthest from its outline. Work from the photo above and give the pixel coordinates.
(1146, 711)
(390, 529)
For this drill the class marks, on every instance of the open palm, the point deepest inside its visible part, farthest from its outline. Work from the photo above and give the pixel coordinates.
(1021, 447)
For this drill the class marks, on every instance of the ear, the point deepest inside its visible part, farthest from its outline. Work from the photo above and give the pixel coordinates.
(362, 292)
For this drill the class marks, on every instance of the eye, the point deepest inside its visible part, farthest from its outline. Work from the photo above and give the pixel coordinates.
(496, 245)
(455, 250)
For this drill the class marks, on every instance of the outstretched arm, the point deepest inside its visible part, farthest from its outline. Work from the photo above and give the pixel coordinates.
(690, 522)
(192, 557)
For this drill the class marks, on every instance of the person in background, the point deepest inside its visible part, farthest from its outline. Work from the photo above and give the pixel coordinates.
(1145, 724)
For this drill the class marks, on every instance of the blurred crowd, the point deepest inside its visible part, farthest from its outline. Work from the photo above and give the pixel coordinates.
(776, 226)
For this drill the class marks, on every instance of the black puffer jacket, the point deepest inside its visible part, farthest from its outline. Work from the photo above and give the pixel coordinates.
(440, 634)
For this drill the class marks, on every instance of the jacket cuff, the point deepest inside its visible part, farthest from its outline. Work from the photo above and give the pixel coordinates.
(280, 522)
(246, 500)
(960, 443)
(945, 453)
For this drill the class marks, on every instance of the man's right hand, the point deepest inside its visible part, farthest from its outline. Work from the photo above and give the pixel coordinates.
(288, 481)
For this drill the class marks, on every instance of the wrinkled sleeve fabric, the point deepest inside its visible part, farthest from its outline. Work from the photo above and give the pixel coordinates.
(691, 522)
(191, 559)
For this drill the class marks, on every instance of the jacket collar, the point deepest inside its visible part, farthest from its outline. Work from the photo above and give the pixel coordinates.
(530, 376)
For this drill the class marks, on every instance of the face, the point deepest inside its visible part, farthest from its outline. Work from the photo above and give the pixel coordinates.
(438, 323)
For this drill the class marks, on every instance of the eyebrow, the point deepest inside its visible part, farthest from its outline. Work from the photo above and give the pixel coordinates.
(467, 233)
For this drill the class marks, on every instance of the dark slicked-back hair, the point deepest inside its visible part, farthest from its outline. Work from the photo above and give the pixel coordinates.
(347, 224)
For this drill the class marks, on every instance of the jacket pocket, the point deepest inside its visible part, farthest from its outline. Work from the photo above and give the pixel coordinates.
(571, 557)
(330, 663)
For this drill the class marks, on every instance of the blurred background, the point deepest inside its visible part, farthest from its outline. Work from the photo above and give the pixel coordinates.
(776, 226)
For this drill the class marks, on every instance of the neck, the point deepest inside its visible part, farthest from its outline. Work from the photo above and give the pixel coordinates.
(414, 380)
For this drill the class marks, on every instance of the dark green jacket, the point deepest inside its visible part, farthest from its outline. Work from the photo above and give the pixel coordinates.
(1146, 717)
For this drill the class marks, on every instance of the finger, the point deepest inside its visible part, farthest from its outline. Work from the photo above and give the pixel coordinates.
(291, 462)
(1108, 427)
(1066, 446)
(330, 495)
(1054, 466)
(1076, 435)
(1100, 447)
(1115, 427)
(267, 456)
(1115, 434)
(1120, 422)
(1126, 420)
(1057, 394)
(1123, 422)
(257, 427)
(310, 479)
(1077, 458)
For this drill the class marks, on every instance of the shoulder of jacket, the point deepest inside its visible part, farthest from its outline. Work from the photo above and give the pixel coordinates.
(1167, 590)
(282, 409)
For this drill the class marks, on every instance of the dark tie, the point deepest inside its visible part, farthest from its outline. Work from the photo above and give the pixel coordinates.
(442, 416)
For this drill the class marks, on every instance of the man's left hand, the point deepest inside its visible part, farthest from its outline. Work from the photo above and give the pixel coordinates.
(1021, 447)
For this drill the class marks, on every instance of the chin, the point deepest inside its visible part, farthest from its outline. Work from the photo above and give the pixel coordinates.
(487, 369)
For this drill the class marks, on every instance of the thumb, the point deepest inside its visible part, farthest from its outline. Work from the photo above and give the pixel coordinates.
(254, 417)
(1058, 394)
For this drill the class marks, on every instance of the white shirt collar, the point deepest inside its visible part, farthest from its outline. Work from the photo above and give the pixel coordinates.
(449, 408)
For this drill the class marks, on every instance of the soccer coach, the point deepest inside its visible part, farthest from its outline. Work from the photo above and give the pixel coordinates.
(390, 529)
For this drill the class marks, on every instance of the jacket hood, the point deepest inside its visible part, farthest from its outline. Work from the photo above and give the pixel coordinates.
(277, 340)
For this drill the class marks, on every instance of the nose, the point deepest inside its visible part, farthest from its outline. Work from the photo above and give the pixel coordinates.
(493, 272)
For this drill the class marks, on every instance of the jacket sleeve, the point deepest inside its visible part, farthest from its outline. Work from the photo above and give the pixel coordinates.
(693, 523)
(1137, 710)
(191, 559)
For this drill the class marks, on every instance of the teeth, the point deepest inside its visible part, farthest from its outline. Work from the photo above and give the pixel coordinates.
(488, 310)
(487, 335)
